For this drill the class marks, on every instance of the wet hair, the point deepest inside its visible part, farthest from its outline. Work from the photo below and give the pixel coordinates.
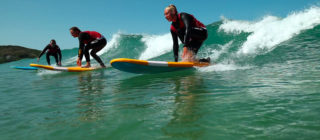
(53, 41)
(172, 7)
(74, 28)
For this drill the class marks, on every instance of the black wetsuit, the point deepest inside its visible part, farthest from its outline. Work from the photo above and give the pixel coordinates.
(190, 31)
(52, 51)
(91, 40)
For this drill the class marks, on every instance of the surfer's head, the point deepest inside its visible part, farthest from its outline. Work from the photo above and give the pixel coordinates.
(170, 13)
(75, 31)
(53, 42)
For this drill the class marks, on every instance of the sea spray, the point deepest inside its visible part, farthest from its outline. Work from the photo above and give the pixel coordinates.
(156, 45)
(271, 31)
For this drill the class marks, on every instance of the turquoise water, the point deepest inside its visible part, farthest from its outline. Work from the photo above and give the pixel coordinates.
(265, 84)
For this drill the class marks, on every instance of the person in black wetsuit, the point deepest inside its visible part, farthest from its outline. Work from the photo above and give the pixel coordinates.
(89, 40)
(189, 30)
(53, 50)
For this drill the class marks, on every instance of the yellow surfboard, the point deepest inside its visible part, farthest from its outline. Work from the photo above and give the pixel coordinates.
(69, 69)
(144, 66)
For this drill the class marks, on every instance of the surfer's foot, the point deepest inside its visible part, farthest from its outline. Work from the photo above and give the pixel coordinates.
(102, 65)
(86, 66)
(205, 60)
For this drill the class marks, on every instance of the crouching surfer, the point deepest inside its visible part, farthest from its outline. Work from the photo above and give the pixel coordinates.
(89, 40)
(189, 30)
(52, 49)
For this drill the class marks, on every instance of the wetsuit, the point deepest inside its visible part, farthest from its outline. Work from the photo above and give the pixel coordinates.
(52, 51)
(91, 40)
(190, 31)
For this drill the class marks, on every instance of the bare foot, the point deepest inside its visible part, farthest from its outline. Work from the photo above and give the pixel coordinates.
(87, 66)
(102, 66)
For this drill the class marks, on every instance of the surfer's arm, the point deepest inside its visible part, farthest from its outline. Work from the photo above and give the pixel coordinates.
(187, 20)
(59, 53)
(82, 38)
(80, 51)
(43, 51)
(81, 46)
(175, 46)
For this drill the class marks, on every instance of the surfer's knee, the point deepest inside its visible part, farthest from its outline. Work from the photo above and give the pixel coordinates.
(93, 53)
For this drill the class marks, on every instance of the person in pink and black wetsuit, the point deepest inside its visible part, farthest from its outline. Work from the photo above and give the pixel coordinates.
(52, 49)
(89, 40)
(191, 32)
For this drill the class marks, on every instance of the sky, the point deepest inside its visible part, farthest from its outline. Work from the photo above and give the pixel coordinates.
(33, 23)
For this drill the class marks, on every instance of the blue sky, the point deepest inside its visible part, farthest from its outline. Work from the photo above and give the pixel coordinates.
(33, 23)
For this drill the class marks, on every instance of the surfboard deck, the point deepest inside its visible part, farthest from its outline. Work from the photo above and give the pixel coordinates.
(149, 67)
(69, 69)
(25, 68)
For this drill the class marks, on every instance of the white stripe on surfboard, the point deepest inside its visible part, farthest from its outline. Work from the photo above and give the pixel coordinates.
(158, 63)
(61, 68)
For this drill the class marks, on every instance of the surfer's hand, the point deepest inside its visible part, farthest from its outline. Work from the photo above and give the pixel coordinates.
(38, 59)
(79, 62)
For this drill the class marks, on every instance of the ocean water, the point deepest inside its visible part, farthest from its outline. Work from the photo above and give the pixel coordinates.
(264, 84)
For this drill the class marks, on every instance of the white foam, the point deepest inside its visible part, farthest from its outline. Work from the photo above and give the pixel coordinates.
(156, 45)
(223, 67)
(113, 43)
(215, 54)
(271, 31)
(47, 72)
(70, 60)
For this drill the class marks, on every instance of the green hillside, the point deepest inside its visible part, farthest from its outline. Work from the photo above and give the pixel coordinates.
(13, 53)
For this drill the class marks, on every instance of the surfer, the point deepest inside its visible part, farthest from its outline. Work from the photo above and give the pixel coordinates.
(89, 40)
(53, 50)
(190, 31)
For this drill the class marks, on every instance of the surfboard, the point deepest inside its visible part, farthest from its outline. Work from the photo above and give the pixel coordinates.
(69, 69)
(144, 66)
(25, 68)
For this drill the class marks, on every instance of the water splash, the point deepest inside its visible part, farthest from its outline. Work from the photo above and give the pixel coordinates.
(114, 43)
(156, 45)
(43, 72)
(215, 54)
(271, 31)
(223, 67)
